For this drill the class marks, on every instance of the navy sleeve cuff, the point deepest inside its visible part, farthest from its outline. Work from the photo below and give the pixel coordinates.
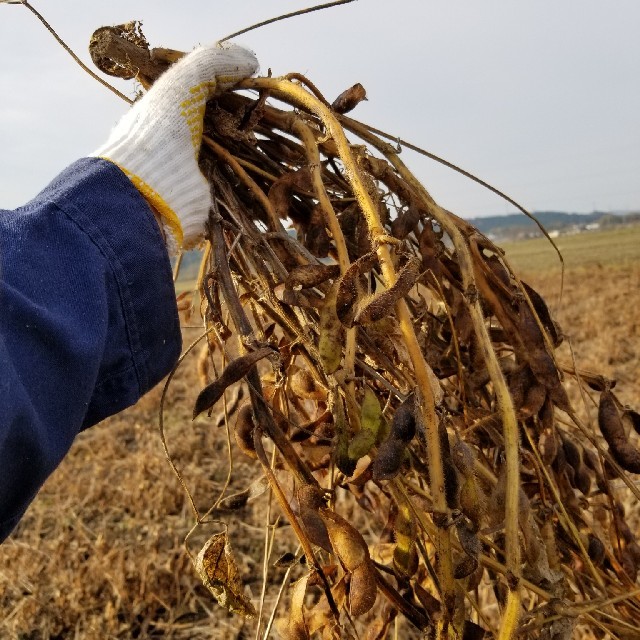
(144, 339)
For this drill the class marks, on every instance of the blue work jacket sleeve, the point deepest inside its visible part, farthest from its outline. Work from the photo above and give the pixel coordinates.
(88, 320)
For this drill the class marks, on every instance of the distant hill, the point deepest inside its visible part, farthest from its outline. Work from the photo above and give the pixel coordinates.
(512, 226)
(515, 226)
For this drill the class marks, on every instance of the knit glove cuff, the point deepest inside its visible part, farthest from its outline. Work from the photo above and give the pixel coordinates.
(157, 143)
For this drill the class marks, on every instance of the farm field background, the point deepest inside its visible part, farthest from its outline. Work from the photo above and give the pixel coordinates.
(99, 554)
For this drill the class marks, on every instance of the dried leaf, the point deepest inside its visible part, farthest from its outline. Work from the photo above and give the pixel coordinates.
(297, 627)
(281, 190)
(349, 99)
(218, 571)
(233, 372)
(406, 222)
(240, 499)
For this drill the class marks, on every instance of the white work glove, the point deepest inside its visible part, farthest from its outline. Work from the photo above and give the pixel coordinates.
(157, 143)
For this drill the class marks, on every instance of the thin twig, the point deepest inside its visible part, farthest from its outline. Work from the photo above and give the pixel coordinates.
(293, 14)
(68, 49)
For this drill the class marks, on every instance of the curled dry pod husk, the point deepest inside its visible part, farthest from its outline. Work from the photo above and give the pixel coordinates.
(403, 425)
(311, 275)
(349, 99)
(406, 222)
(389, 459)
(382, 304)
(348, 289)
(612, 428)
(281, 189)
(347, 542)
(363, 589)
(243, 431)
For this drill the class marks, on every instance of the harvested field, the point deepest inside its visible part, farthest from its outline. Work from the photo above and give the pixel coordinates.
(99, 553)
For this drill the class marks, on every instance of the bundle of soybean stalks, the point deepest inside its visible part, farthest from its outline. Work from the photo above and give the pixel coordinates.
(406, 409)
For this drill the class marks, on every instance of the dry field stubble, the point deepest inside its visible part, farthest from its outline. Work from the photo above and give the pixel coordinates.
(99, 553)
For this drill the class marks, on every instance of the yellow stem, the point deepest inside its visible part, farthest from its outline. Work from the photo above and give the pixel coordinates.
(505, 403)
(307, 101)
(313, 158)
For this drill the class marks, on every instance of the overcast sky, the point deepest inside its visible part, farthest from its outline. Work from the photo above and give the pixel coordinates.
(540, 98)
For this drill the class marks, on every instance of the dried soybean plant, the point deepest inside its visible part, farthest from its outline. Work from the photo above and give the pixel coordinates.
(406, 407)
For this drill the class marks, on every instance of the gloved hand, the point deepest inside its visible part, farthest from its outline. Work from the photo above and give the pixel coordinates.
(157, 143)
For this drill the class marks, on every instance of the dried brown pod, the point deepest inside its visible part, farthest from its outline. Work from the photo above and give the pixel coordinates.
(235, 501)
(349, 99)
(243, 431)
(347, 542)
(315, 529)
(544, 315)
(403, 425)
(548, 440)
(363, 589)
(405, 554)
(234, 371)
(470, 544)
(534, 399)
(389, 459)
(331, 334)
(633, 417)
(612, 428)
(596, 550)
